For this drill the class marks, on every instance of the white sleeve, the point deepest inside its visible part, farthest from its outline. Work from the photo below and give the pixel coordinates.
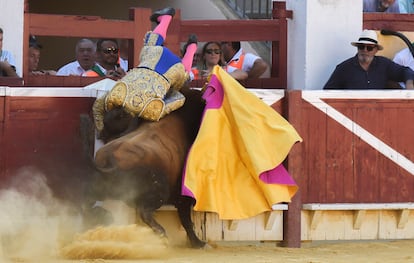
(398, 58)
(62, 71)
(10, 59)
(403, 57)
(249, 60)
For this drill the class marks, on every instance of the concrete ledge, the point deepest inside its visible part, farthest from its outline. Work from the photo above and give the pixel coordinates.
(403, 210)
(279, 207)
(358, 206)
(270, 217)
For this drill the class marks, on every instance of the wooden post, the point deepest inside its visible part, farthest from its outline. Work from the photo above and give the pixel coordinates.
(26, 33)
(142, 25)
(279, 48)
(292, 217)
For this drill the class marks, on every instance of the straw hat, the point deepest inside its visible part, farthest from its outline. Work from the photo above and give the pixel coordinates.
(368, 37)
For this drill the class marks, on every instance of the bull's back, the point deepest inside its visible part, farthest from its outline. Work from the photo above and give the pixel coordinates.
(159, 145)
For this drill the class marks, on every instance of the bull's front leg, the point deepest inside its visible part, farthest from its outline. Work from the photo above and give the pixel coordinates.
(184, 207)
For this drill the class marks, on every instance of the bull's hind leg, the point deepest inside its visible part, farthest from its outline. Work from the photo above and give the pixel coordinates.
(154, 192)
(184, 207)
(148, 218)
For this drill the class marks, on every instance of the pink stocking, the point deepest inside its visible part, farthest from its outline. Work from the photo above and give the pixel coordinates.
(162, 27)
(187, 60)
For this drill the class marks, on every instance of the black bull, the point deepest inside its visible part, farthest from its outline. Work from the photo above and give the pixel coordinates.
(143, 164)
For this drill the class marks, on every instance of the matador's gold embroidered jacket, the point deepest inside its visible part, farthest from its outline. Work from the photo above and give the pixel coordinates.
(149, 91)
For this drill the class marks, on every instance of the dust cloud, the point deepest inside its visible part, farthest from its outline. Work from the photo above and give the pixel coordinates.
(34, 225)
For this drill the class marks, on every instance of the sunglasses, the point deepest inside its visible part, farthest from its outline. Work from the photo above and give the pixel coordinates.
(110, 50)
(215, 51)
(368, 47)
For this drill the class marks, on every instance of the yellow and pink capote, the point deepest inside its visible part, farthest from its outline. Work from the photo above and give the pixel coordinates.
(234, 167)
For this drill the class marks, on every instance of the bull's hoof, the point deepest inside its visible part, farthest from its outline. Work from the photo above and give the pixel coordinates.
(199, 244)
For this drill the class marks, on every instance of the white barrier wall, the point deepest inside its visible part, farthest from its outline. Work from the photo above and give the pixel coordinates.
(319, 37)
(11, 21)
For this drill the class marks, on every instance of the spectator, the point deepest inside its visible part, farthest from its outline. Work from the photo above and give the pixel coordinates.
(236, 58)
(211, 56)
(34, 58)
(7, 62)
(107, 60)
(406, 6)
(404, 58)
(367, 71)
(387, 6)
(85, 59)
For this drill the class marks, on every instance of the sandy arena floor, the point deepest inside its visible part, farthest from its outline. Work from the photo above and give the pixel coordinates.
(29, 235)
(156, 251)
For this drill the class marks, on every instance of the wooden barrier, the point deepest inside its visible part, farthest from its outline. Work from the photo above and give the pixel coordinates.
(274, 30)
(355, 166)
(395, 22)
(371, 159)
(40, 127)
(348, 183)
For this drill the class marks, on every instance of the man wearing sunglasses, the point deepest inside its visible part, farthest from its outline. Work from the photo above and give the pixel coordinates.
(366, 70)
(107, 56)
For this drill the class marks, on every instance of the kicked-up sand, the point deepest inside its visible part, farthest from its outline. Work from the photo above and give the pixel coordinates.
(38, 229)
(134, 243)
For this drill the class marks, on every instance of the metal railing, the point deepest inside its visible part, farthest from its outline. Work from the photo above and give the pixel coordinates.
(251, 9)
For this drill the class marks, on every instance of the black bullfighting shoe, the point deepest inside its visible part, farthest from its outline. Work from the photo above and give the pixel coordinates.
(192, 39)
(166, 11)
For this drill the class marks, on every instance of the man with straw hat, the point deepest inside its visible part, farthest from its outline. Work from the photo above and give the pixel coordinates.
(366, 70)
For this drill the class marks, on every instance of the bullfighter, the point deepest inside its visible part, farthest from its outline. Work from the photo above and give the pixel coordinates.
(151, 90)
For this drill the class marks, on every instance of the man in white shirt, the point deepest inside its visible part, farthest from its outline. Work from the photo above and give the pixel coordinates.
(85, 59)
(7, 62)
(404, 58)
(236, 58)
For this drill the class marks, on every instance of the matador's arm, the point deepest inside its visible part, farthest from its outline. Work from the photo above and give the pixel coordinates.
(98, 110)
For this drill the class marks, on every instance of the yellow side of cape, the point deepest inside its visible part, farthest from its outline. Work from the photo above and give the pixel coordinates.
(236, 143)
